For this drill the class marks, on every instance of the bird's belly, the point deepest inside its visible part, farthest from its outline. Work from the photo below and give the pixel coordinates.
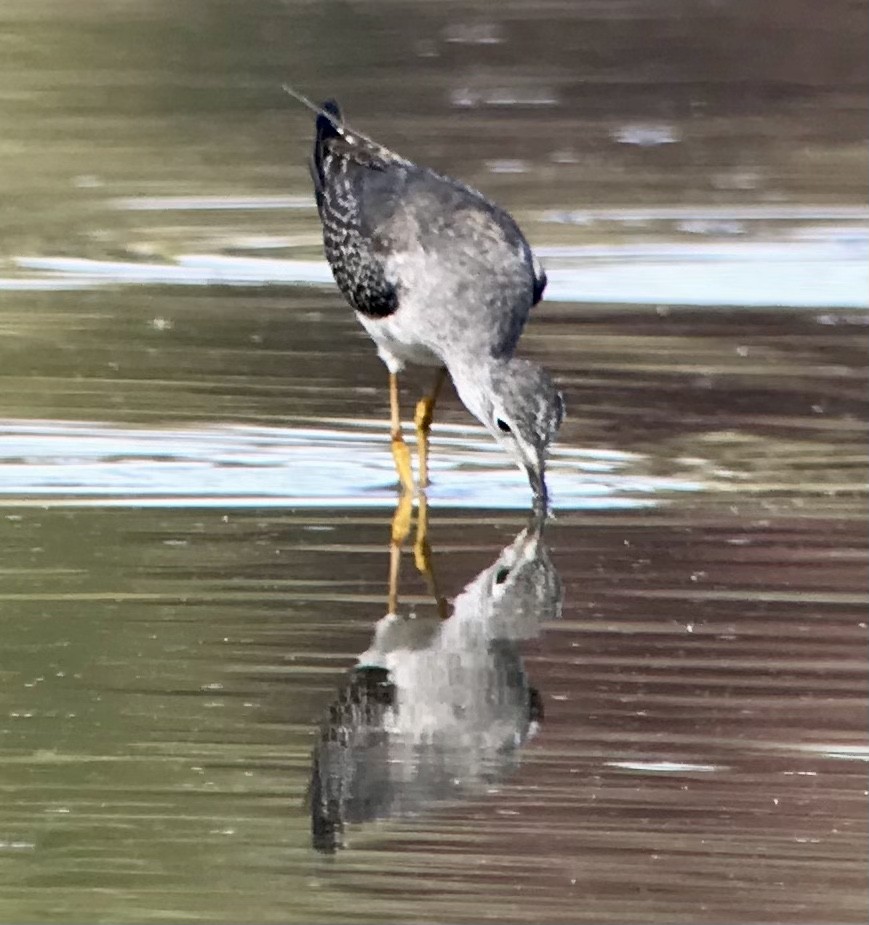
(397, 344)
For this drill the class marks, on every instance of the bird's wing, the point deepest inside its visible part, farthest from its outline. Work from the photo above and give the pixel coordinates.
(336, 145)
(358, 185)
(387, 220)
(539, 279)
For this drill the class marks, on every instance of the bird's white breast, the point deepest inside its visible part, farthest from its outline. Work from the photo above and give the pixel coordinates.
(398, 342)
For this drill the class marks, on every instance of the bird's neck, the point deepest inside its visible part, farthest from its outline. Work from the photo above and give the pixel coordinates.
(473, 382)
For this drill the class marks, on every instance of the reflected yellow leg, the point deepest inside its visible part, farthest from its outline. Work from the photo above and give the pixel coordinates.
(400, 451)
(400, 531)
(422, 419)
(422, 556)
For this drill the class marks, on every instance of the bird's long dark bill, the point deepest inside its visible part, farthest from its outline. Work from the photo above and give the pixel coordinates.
(538, 486)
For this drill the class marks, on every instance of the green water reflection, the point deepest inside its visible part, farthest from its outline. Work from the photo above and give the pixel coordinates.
(165, 670)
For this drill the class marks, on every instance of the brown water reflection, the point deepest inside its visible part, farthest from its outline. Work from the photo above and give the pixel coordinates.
(438, 707)
(704, 700)
(191, 566)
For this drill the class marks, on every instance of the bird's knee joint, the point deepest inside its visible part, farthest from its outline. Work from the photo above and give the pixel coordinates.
(423, 415)
(401, 456)
(401, 520)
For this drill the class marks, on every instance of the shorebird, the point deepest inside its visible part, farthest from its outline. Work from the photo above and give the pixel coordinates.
(436, 709)
(440, 276)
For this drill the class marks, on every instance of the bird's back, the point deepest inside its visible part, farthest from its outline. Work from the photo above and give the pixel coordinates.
(397, 234)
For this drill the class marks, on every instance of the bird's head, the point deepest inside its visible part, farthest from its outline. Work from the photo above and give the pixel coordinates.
(517, 402)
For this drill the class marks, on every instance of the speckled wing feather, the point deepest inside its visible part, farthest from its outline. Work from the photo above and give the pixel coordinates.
(349, 767)
(395, 233)
(355, 182)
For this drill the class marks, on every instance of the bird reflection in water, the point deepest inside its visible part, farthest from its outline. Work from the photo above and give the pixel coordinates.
(437, 708)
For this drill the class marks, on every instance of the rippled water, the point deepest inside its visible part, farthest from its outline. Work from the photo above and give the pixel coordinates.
(653, 710)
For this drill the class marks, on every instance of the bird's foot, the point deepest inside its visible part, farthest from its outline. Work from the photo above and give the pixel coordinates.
(421, 546)
(422, 419)
(401, 457)
(424, 414)
(401, 520)
(422, 556)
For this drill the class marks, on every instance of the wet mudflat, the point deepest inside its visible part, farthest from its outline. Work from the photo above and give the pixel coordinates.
(655, 710)
(177, 630)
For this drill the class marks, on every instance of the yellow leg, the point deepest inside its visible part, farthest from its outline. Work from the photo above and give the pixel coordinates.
(422, 556)
(400, 531)
(422, 419)
(400, 452)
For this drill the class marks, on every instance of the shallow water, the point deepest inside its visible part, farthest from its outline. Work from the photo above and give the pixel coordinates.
(654, 712)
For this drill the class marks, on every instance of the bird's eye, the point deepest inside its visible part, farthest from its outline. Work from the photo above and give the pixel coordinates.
(502, 575)
(503, 426)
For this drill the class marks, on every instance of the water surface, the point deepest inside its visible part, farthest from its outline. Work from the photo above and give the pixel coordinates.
(657, 712)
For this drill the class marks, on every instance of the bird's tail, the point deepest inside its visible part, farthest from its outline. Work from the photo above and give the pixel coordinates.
(330, 123)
